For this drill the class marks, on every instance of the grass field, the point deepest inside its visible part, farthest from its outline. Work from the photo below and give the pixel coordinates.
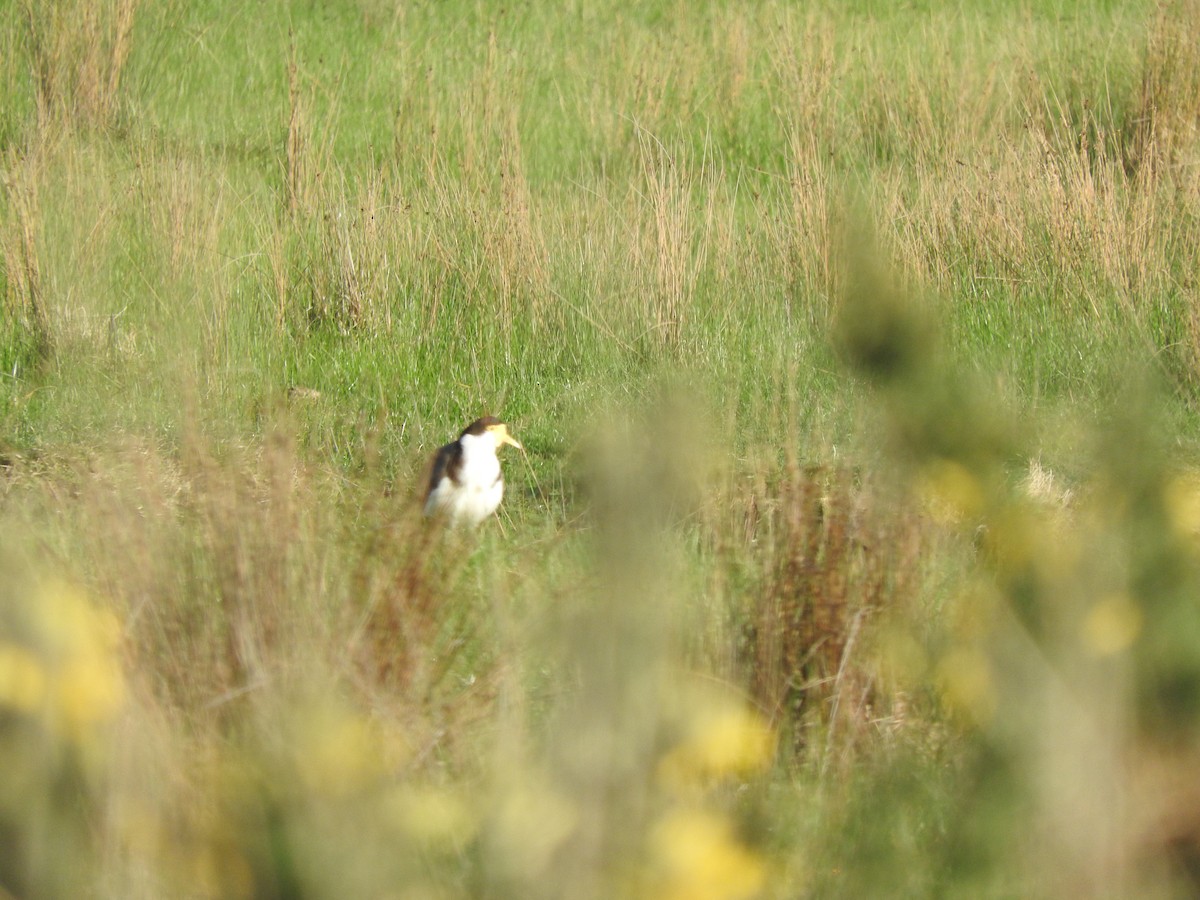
(855, 347)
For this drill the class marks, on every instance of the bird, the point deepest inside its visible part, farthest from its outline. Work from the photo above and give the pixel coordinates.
(466, 486)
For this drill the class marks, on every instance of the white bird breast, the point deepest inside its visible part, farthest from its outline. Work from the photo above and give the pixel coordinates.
(480, 488)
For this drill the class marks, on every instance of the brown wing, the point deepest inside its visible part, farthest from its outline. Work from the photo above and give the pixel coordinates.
(447, 464)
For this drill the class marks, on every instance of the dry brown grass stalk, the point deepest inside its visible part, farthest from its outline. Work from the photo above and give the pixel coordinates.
(293, 179)
(1167, 111)
(19, 243)
(515, 246)
(78, 51)
(836, 557)
(811, 233)
(676, 242)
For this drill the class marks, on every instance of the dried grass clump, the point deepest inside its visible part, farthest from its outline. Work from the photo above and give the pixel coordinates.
(77, 53)
(837, 555)
(23, 297)
(234, 573)
(1163, 127)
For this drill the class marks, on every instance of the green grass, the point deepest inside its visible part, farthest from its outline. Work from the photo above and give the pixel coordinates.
(854, 348)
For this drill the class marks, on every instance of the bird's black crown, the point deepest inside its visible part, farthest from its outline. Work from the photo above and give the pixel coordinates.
(479, 426)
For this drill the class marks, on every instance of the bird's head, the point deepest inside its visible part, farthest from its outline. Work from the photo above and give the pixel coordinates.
(497, 429)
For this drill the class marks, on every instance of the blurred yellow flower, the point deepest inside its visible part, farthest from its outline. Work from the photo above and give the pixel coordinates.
(433, 816)
(90, 690)
(1026, 537)
(336, 752)
(950, 492)
(90, 685)
(697, 857)
(22, 679)
(1181, 497)
(72, 622)
(725, 741)
(1112, 625)
(68, 664)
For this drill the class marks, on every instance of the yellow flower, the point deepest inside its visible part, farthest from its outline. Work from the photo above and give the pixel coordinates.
(725, 741)
(89, 683)
(1181, 497)
(433, 816)
(950, 492)
(72, 667)
(22, 679)
(697, 857)
(1028, 539)
(336, 752)
(90, 689)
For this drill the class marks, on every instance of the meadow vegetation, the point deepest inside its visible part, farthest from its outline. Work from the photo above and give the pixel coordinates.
(856, 351)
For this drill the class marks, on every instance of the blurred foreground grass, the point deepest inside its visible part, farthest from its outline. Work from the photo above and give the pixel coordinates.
(855, 551)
